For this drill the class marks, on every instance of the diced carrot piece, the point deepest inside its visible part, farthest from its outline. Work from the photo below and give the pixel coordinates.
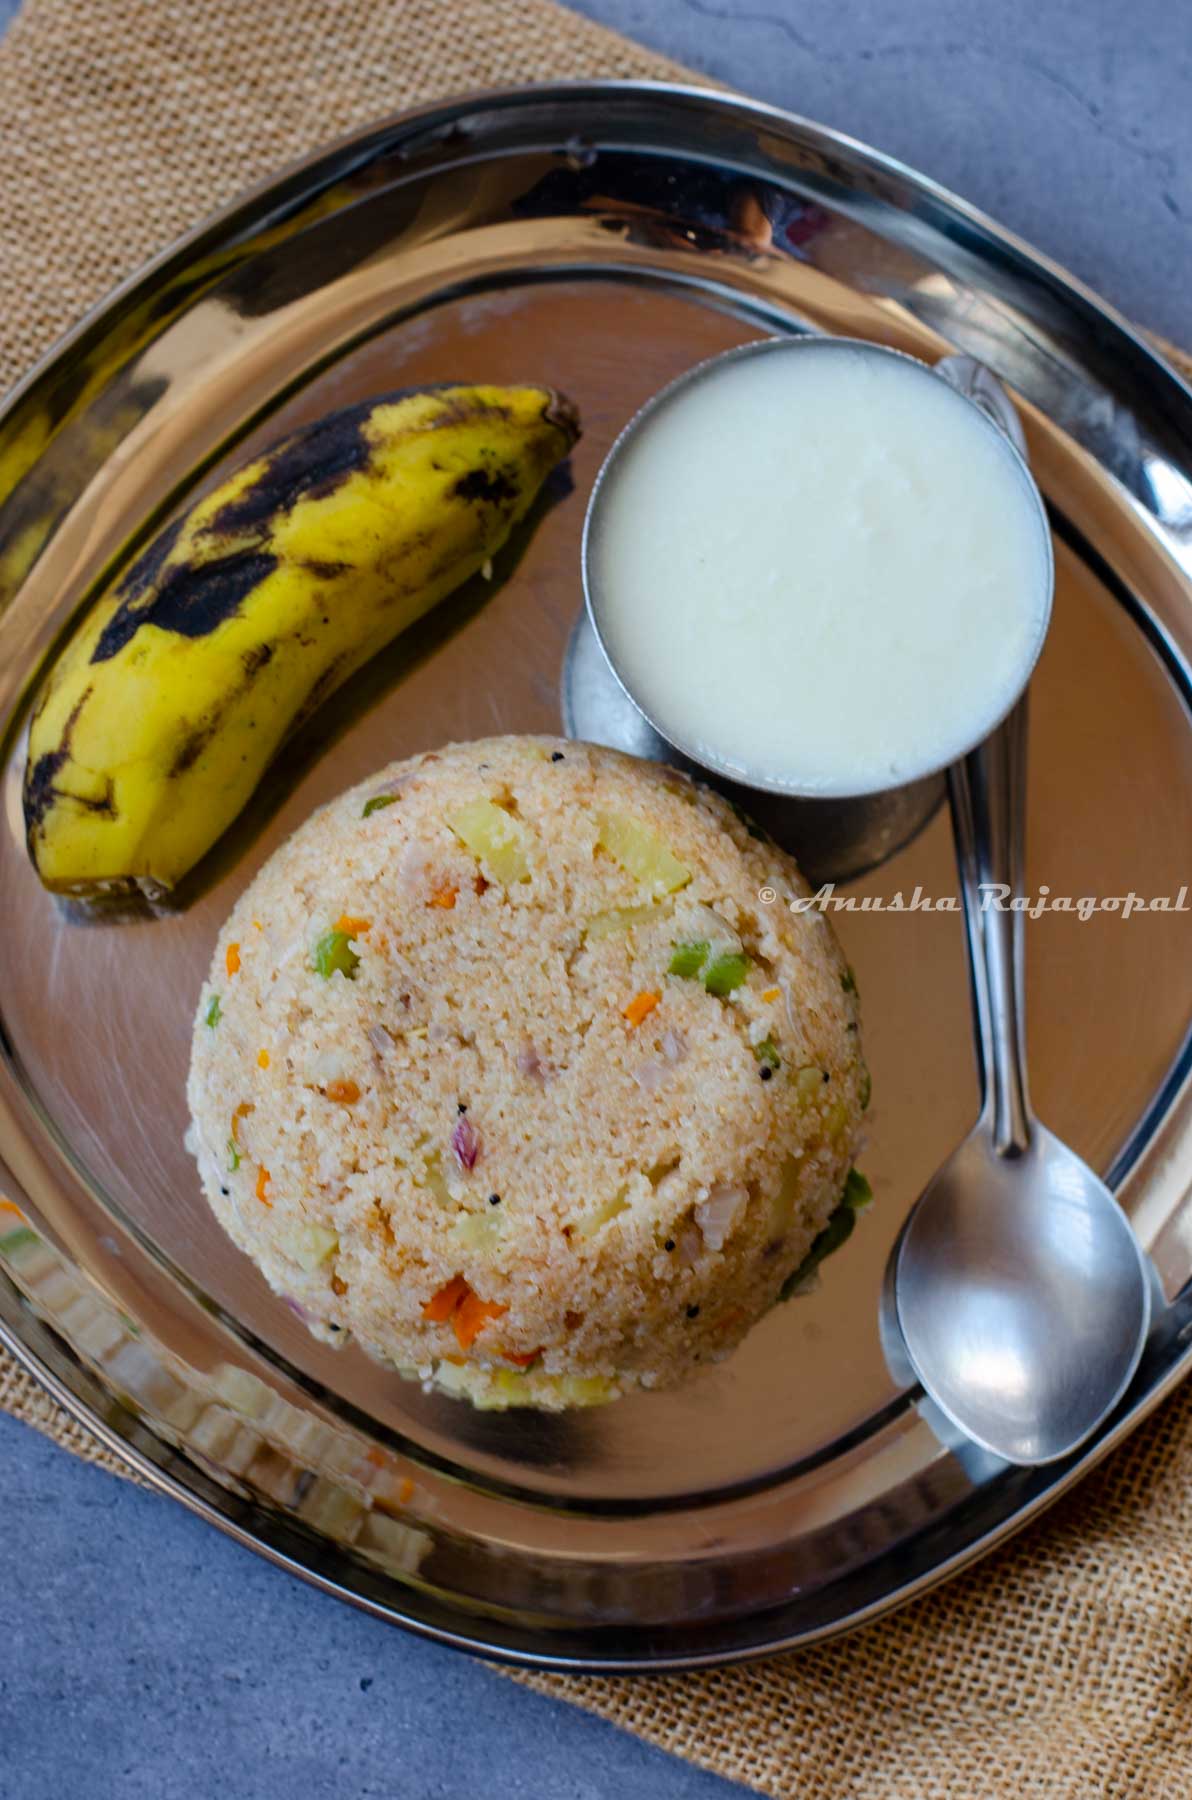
(262, 1059)
(232, 959)
(405, 1492)
(345, 1092)
(241, 1112)
(469, 1314)
(263, 1180)
(641, 1006)
(10, 1206)
(524, 1361)
(472, 1315)
(771, 994)
(439, 1308)
(444, 897)
(352, 927)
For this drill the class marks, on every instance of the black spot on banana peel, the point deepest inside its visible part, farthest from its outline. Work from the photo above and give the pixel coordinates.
(162, 713)
(148, 566)
(493, 485)
(40, 792)
(326, 571)
(191, 600)
(315, 461)
(192, 746)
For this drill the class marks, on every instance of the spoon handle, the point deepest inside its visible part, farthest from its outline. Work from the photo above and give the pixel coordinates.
(988, 795)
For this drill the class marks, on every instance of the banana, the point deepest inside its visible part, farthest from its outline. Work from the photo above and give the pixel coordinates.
(163, 711)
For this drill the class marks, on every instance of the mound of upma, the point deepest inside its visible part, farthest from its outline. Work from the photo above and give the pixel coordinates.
(504, 1069)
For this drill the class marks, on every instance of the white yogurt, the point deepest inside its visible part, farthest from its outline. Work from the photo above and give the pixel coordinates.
(819, 569)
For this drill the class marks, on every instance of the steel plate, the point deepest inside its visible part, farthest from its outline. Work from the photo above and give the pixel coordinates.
(601, 238)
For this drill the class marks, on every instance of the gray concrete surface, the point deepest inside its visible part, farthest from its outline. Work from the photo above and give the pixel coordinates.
(1070, 123)
(145, 1656)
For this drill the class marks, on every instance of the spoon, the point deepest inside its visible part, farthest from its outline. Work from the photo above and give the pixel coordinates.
(1021, 1292)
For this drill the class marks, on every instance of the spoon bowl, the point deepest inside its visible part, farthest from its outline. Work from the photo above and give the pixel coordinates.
(1023, 1298)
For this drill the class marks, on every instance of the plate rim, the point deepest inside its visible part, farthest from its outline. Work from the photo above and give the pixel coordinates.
(243, 215)
(430, 112)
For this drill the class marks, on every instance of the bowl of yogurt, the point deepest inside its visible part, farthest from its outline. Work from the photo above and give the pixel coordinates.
(819, 573)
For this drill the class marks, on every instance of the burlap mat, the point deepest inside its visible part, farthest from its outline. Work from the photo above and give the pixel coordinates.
(1062, 1665)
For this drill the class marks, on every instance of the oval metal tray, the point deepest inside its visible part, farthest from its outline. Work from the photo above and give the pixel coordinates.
(602, 238)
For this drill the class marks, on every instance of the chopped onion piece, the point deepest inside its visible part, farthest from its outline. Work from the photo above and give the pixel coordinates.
(465, 1142)
(413, 866)
(650, 1076)
(717, 1215)
(325, 1066)
(689, 1247)
(329, 1169)
(703, 922)
(674, 1046)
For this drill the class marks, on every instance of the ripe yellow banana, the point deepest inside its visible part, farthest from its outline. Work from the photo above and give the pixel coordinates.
(160, 716)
